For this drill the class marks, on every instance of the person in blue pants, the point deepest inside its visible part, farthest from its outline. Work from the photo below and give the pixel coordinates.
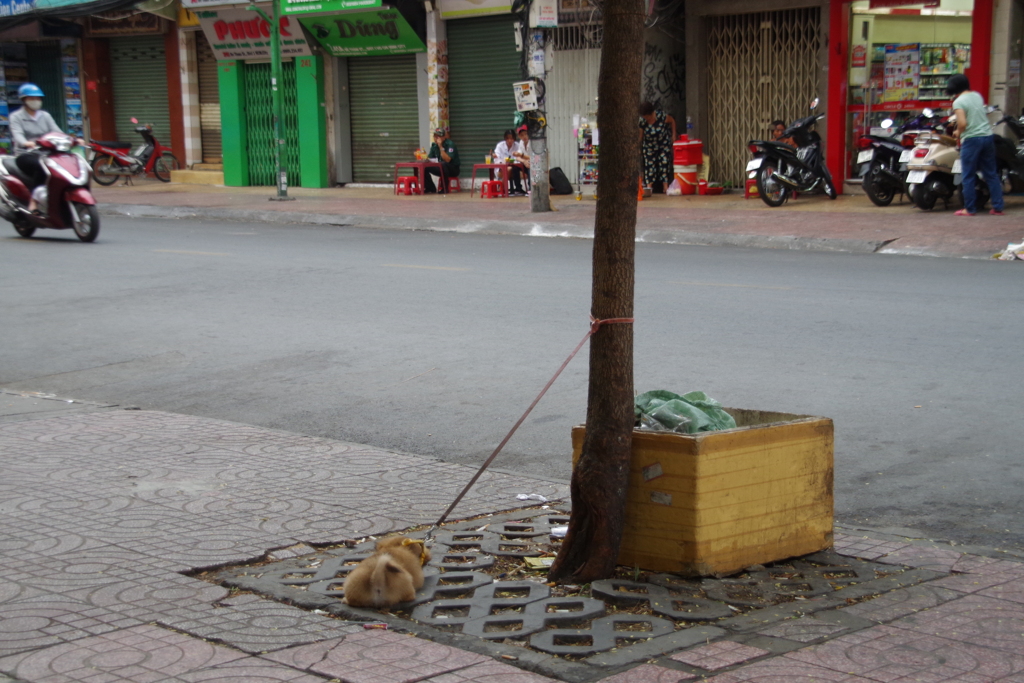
(977, 146)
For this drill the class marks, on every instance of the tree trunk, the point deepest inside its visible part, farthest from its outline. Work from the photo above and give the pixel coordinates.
(600, 477)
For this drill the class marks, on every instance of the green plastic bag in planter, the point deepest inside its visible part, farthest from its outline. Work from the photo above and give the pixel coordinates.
(690, 413)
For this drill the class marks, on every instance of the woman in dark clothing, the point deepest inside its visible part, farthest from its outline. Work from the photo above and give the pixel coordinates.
(657, 132)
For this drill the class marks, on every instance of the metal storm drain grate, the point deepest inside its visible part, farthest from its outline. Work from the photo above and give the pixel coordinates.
(481, 594)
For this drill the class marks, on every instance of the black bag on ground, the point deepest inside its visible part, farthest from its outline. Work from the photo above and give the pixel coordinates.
(559, 183)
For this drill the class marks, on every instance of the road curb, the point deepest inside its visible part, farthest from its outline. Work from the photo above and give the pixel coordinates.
(517, 228)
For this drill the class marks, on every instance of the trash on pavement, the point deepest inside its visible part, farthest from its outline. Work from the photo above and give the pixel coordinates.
(539, 562)
(559, 531)
(1013, 252)
(664, 411)
(532, 496)
(372, 627)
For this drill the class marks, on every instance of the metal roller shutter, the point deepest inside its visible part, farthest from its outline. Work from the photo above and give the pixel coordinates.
(482, 66)
(44, 69)
(138, 69)
(385, 115)
(209, 100)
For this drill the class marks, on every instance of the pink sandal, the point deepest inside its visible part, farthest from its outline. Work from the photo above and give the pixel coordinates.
(963, 212)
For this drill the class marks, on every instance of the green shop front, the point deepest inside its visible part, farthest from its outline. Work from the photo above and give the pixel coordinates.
(240, 41)
(375, 52)
(350, 91)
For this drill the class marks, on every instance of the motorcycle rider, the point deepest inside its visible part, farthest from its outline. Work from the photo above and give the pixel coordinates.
(28, 124)
(977, 146)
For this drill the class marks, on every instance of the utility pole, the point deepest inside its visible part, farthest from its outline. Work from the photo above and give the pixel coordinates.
(540, 200)
(276, 82)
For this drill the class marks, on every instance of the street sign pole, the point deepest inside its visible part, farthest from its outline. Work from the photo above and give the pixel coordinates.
(276, 83)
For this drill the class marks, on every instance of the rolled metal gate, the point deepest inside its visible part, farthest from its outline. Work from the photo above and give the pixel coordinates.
(761, 67)
(259, 119)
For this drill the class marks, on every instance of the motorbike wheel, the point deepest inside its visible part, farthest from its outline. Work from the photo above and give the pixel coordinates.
(24, 229)
(830, 187)
(879, 194)
(163, 166)
(772, 192)
(925, 198)
(102, 177)
(87, 227)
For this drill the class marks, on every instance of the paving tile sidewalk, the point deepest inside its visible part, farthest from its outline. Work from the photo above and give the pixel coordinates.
(850, 223)
(104, 511)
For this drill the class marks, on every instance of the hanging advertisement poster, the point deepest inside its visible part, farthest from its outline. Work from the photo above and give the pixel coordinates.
(243, 34)
(384, 32)
(902, 72)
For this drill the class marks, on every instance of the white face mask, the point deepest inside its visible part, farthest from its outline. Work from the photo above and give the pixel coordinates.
(33, 103)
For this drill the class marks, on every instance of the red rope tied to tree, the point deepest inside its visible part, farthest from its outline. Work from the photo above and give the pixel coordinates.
(595, 325)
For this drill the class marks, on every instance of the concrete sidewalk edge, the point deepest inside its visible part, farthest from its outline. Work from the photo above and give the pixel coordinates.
(522, 229)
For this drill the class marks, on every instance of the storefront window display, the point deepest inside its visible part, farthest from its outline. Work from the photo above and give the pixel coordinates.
(901, 56)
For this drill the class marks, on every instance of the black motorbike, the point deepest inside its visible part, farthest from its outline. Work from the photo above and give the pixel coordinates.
(781, 169)
(1010, 154)
(883, 160)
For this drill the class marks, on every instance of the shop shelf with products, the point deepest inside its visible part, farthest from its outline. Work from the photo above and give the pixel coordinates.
(587, 148)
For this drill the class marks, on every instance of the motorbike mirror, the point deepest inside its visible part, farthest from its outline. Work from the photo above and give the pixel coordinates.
(814, 103)
(928, 112)
(887, 123)
(134, 120)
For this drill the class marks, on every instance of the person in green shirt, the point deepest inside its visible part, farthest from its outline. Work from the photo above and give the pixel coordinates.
(977, 146)
(444, 151)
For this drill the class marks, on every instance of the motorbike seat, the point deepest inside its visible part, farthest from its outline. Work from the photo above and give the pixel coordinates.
(112, 145)
(11, 165)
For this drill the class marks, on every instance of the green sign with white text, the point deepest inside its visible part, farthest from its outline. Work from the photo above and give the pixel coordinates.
(319, 6)
(358, 34)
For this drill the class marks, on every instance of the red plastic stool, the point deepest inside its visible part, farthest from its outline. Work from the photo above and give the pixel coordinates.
(454, 185)
(407, 184)
(751, 183)
(492, 189)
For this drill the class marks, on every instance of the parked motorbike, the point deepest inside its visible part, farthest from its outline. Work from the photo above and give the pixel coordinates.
(113, 160)
(934, 169)
(63, 201)
(883, 159)
(1010, 153)
(780, 170)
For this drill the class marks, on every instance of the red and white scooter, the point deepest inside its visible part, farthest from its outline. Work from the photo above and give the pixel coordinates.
(63, 201)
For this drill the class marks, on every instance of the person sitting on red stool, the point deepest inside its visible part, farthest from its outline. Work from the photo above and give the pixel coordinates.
(444, 151)
(507, 151)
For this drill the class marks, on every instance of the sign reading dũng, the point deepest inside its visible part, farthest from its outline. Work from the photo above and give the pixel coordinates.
(385, 32)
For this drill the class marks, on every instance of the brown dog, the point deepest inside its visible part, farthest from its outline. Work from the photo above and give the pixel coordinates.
(389, 576)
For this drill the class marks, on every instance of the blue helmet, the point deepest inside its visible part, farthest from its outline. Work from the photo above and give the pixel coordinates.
(29, 90)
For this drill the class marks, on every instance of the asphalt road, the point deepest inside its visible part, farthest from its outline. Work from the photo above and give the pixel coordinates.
(434, 343)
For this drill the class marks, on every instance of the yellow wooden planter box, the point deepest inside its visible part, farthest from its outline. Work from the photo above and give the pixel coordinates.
(718, 502)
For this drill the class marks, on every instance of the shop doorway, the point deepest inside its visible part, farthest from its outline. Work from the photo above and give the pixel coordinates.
(138, 69)
(259, 121)
(761, 67)
(482, 66)
(900, 62)
(384, 111)
(571, 91)
(209, 101)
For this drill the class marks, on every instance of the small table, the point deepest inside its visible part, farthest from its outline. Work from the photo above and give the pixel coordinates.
(504, 171)
(421, 172)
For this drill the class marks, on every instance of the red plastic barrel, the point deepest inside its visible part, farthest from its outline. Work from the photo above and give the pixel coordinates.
(687, 152)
